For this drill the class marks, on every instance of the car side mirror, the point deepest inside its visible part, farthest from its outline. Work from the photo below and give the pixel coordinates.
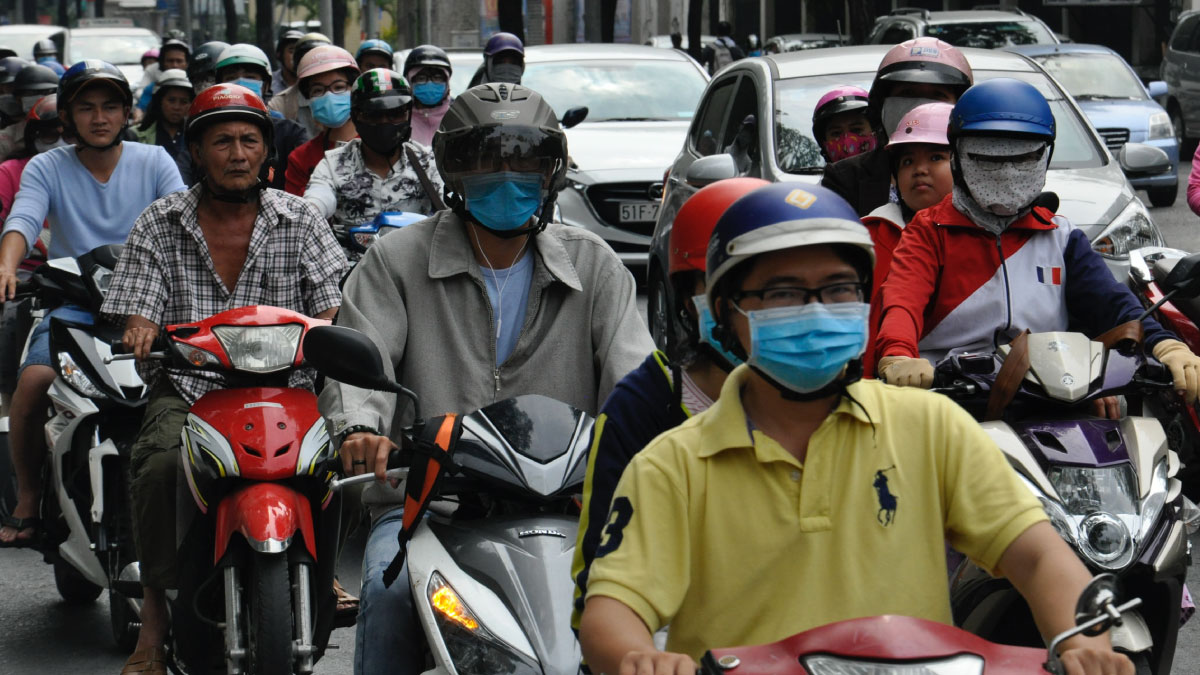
(1156, 88)
(708, 170)
(346, 355)
(1140, 159)
(1184, 278)
(574, 116)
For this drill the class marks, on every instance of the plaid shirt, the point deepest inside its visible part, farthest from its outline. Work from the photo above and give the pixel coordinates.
(166, 273)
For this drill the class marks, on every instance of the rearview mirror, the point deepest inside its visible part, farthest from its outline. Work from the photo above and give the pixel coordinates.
(708, 170)
(1141, 159)
(346, 355)
(574, 116)
(1157, 88)
(1184, 278)
(1097, 596)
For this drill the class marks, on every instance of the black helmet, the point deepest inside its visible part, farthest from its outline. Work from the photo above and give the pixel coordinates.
(497, 122)
(6, 52)
(173, 43)
(427, 55)
(380, 89)
(87, 72)
(307, 43)
(37, 79)
(9, 67)
(287, 37)
(204, 61)
(45, 47)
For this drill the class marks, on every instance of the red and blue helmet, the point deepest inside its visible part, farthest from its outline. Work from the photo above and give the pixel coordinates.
(1002, 107)
(777, 217)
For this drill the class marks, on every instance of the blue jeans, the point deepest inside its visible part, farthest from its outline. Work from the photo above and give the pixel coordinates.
(39, 342)
(388, 638)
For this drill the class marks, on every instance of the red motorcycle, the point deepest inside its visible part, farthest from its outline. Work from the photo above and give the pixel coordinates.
(1159, 276)
(256, 562)
(883, 645)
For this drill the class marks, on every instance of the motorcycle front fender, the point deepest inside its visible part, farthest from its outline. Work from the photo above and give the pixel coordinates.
(267, 515)
(1132, 635)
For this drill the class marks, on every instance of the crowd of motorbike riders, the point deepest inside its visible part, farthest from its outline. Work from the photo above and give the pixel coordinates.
(753, 448)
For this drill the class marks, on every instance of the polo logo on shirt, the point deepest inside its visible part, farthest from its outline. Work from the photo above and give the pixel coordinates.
(1049, 276)
(887, 500)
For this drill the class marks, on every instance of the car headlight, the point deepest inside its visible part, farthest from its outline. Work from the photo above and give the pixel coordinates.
(1130, 230)
(824, 664)
(474, 650)
(75, 376)
(1160, 126)
(260, 349)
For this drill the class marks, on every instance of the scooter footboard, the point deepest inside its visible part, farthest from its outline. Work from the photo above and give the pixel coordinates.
(267, 515)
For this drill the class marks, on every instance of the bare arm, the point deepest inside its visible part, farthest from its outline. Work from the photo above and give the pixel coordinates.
(615, 641)
(1050, 577)
(12, 252)
(328, 314)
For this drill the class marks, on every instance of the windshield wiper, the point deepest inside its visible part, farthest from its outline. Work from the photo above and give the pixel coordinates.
(808, 170)
(632, 119)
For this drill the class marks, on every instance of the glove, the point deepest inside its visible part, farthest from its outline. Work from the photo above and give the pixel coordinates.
(1184, 365)
(905, 371)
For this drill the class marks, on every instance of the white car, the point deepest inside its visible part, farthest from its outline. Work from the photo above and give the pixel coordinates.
(121, 46)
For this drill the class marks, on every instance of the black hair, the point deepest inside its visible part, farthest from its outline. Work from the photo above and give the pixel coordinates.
(154, 110)
(724, 29)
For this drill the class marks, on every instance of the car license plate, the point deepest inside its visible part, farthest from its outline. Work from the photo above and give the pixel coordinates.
(639, 212)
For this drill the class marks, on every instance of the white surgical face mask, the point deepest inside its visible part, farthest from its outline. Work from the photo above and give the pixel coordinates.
(894, 109)
(1003, 186)
(45, 147)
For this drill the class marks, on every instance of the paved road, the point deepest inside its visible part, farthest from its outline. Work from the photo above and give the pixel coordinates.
(39, 634)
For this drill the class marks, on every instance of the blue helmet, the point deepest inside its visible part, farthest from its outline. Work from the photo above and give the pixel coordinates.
(777, 217)
(1002, 107)
(376, 46)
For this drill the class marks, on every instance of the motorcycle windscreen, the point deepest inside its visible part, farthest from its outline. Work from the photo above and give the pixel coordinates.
(531, 443)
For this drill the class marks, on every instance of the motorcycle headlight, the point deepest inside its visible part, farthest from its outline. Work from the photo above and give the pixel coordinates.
(102, 278)
(474, 650)
(75, 376)
(1160, 126)
(260, 349)
(1130, 230)
(824, 664)
(1102, 506)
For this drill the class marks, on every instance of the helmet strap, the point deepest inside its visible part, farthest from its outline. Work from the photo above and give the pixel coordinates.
(852, 374)
(241, 197)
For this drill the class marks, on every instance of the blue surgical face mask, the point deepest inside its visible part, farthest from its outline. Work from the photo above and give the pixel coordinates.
(332, 109)
(805, 347)
(503, 201)
(707, 324)
(253, 85)
(430, 93)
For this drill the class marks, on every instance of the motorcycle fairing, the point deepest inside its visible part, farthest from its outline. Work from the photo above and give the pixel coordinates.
(266, 433)
(200, 334)
(118, 379)
(268, 515)
(518, 443)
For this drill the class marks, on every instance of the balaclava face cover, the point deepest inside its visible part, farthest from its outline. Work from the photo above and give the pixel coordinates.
(995, 193)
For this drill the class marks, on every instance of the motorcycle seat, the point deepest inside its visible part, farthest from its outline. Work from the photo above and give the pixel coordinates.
(1189, 306)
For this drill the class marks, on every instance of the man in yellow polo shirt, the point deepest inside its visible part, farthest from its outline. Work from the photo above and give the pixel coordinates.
(805, 495)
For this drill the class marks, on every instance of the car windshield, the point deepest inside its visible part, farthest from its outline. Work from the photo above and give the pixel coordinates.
(116, 49)
(1093, 76)
(797, 152)
(22, 43)
(632, 90)
(991, 34)
(465, 64)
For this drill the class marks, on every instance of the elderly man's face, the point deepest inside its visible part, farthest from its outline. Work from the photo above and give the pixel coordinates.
(231, 155)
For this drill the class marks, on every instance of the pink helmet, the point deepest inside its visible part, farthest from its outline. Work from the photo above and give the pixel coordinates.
(924, 60)
(150, 54)
(840, 99)
(926, 123)
(324, 59)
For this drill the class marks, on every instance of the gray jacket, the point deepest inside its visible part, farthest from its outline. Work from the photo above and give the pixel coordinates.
(419, 295)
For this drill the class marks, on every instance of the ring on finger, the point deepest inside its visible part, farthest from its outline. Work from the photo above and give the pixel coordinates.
(359, 462)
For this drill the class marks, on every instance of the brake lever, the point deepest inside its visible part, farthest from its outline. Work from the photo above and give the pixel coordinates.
(338, 483)
(152, 356)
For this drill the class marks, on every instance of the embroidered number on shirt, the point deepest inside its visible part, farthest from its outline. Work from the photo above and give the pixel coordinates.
(887, 501)
(618, 517)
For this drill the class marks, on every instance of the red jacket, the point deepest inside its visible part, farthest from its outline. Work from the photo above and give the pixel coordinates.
(885, 224)
(303, 161)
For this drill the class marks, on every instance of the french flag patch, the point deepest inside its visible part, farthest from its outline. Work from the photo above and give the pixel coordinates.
(1051, 276)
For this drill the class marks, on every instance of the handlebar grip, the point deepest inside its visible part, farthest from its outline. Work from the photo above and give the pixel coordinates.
(26, 288)
(399, 458)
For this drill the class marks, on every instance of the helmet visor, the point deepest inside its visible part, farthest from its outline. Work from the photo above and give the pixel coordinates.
(524, 149)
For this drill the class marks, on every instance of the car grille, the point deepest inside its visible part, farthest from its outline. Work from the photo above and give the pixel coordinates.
(1114, 138)
(607, 198)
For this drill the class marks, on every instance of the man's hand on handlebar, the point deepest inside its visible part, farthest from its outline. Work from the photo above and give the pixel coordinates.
(1095, 661)
(365, 452)
(657, 663)
(139, 336)
(8, 283)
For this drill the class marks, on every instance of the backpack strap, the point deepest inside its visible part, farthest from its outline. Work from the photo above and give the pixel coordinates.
(1008, 380)
(434, 197)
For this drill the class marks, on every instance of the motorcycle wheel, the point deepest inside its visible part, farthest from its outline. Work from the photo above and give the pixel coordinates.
(8, 478)
(269, 619)
(1141, 663)
(125, 624)
(72, 586)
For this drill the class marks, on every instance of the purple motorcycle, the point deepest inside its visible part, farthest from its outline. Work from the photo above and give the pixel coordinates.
(1108, 486)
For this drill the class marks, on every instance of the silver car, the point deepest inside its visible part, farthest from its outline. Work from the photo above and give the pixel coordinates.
(640, 101)
(726, 140)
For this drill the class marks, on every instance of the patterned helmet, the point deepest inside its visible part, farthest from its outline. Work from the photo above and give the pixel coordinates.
(380, 89)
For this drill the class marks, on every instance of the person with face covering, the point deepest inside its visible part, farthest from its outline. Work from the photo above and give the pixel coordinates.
(329, 73)
(973, 271)
(375, 172)
(43, 132)
(428, 69)
(490, 291)
(10, 106)
(32, 83)
(503, 60)
(924, 70)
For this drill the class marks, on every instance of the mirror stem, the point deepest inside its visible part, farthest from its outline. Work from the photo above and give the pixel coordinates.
(400, 389)
(1154, 308)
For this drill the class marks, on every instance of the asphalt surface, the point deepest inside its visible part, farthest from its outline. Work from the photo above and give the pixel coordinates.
(41, 634)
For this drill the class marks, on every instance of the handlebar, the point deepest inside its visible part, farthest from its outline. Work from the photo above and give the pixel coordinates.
(338, 483)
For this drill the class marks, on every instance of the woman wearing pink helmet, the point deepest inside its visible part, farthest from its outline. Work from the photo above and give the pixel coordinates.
(840, 124)
(325, 76)
(917, 71)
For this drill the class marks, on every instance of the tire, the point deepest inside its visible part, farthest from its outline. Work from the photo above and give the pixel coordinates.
(269, 619)
(1141, 663)
(658, 311)
(1163, 197)
(125, 624)
(1186, 146)
(72, 586)
(8, 478)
